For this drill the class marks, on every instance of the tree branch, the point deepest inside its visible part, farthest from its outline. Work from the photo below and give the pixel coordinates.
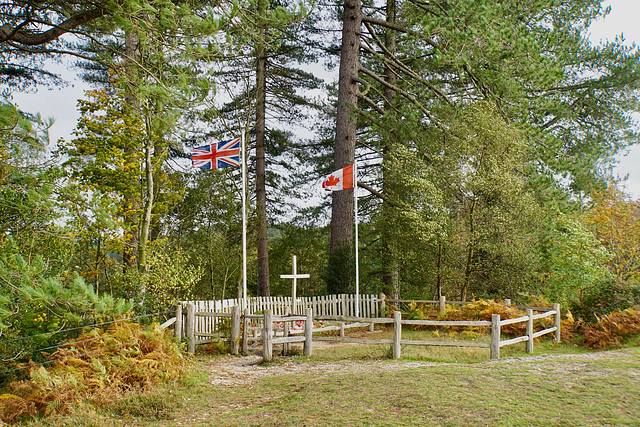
(403, 93)
(425, 6)
(398, 28)
(370, 102)
(392, 60)
(377, 193)
(27, 38)
(51, 51)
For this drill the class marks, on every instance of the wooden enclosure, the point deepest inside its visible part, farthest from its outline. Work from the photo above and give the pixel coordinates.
(245, 329)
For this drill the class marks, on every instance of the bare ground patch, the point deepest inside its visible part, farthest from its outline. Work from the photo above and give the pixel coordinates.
(245, 370)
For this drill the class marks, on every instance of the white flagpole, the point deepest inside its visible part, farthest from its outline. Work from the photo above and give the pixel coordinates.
(244, 224)
(355, 201)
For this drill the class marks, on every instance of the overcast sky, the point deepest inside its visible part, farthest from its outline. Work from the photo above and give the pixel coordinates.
(623, 19)
(60, 103)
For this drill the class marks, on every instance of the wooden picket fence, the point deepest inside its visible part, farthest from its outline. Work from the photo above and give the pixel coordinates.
(328, 305)
(270, 335)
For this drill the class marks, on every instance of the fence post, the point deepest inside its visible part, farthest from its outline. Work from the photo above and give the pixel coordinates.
(245, 331)
(557, 321)
(235, 330)
(267, 336)
(495, 336)
(397, 333)
(178, 327)
(286, 347)
(341, 334)
(308, 333)
(507, 302)
(530, 330)
(443, 304)
(191, 327)
(381, 303)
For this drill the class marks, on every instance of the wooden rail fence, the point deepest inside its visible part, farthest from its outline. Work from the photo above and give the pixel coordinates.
(242, 329)
(371, 306)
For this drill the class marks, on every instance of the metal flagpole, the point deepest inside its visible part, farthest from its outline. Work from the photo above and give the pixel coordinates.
(355, 202)
(244, 224)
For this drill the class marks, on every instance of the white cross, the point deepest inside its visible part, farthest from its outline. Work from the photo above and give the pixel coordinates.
(295, 276)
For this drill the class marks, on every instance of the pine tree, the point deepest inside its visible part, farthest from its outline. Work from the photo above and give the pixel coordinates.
(270, 55)
(450, 55)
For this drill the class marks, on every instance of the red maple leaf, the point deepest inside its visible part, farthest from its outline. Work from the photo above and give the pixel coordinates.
(330, 182)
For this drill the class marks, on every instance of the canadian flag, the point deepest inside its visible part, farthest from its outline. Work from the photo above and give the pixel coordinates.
(342, 179)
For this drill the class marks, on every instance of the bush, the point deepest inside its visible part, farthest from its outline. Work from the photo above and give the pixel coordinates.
(38, 311)
(613, 328)
(604, 298)
(482, 310)
(170, 278)
(104, 368)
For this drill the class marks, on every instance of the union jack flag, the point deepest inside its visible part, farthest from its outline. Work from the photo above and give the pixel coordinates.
(217, 155)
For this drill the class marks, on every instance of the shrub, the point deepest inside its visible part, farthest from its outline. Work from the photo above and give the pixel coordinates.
(169, 278)
(613, 328)
(605, 297)
(38, 311)
(102, 367)
(482, 310)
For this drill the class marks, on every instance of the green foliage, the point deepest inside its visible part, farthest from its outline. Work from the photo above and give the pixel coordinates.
(35, 305)
(461, 214)
(573, 258)
(495, 216)
(93, 221)
(537, 75)
(29, 190)
(310, 246)
(170, 277)
(604, 297)
(103, 163)
(210, 233)
(106, 167)
(107, 150)
(418, 205)
(37, 294)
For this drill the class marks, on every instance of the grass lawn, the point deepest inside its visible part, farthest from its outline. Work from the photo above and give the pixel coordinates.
(358, 386)
(559, 391)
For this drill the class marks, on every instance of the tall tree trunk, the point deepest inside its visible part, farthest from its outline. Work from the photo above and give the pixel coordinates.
(439, 273)
(470, 254)
(344, 155)
(264, 288)
(131, 202)
(143, 238)
(390, 274)
(98, 257)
